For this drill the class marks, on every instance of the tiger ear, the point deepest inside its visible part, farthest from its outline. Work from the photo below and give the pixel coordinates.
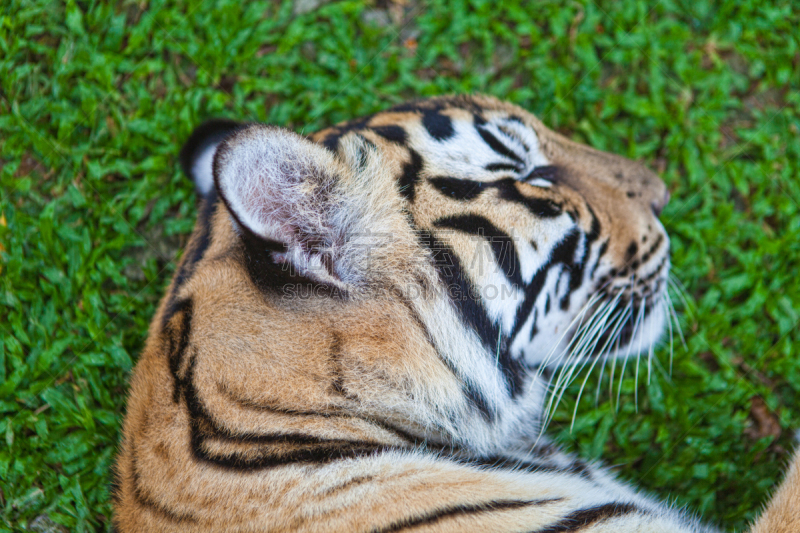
(287, 193)
(197, 154)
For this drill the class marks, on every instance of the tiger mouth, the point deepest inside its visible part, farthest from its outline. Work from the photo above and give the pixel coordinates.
(623, 331)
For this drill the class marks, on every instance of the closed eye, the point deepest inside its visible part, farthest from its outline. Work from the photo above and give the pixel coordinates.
(543, 176)
(504, 167)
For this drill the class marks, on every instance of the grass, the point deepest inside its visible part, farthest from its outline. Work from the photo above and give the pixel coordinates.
(96, 97)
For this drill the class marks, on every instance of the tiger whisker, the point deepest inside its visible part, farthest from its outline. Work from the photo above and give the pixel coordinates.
(583, 325)
(661, 369)
(677, 323)
(497, 359)
(638, 357)
(675, 283)
(606, 356)
(600, 331)
(628, 353)
(578, 339)
(614, 360)
(577, 318)
(667, 314)
(650, 350)
(580, 352)
(583, 355)
(616, 324)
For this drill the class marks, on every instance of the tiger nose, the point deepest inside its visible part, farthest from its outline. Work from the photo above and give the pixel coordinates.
(658, 205)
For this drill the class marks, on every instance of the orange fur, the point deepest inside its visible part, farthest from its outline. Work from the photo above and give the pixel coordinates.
(355, 395)
(782, 514)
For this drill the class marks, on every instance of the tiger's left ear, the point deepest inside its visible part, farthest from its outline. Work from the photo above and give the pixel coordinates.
(301, 202)
(197, 154)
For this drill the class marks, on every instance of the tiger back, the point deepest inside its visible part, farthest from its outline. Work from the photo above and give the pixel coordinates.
(367, 326)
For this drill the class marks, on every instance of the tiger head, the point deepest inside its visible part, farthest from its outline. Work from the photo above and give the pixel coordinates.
(421, 268)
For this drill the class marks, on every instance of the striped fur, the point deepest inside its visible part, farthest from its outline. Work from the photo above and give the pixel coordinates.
(370, 326)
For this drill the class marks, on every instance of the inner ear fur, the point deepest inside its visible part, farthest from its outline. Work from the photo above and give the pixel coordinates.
(331, 217)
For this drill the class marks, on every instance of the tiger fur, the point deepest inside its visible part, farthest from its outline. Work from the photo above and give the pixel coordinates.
(328, 356)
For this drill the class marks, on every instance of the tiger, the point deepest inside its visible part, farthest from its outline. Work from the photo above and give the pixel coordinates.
(368, 322)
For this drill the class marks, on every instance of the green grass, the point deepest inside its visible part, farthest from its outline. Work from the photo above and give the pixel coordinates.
(95, 99)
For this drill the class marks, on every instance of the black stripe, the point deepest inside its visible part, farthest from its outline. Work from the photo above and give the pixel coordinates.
(361, 154)
(578, 267)
(335, 356)
(331, 142)
(247, 404)
(439, 126)
(503, 247)
(600, 253)
(630, 252)
(211, 430)
(460, 290)
(463, 294)
(204, 427)
(394, 134)
(534, 327)
(577, 467)
(585, 517)
(550, 173)
(459, 189)
(563, 253)
(515, 136)
(494, 167)
(355, 481)
(478, 400)
(464, 189)
(425, 104)
(309, 448)
(335, 133)
(656, 271)
(473, 395)
(573, 267)
(391, 428)
(319, 455)
(540, 207)
(497, 145)
(438, 103)
(652, 249)
(176, 341)
(531, 294)
(410, 176)
(460, 510)
(306, 448)
(594, 231)
(199, 243)
(575, 272)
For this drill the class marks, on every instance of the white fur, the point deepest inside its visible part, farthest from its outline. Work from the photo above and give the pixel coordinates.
(274, 182)
(541, 182)
(467, 154)
(202, 169)
(287, 189)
